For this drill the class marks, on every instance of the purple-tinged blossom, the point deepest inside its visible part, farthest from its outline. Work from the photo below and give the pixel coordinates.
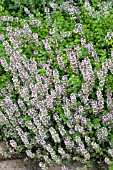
(35, 52)
(110, 151)
(60, 62)
(55, 136)
(4, 64)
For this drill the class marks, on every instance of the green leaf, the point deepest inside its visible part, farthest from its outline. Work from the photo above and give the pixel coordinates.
(79, 104)
(111, 141)
(26, 118)
(59, 109)
(42, 71)
(111, 167)
(73, 80)
(62, 116)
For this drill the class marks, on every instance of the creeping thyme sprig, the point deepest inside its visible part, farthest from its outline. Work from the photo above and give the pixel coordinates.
(58, 101)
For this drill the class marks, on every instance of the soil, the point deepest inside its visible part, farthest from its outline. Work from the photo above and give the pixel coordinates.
(16, 163)
(30, 165)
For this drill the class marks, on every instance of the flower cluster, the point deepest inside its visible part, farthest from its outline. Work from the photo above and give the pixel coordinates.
(104, 9)
(103, 134)
(54, 135)
(81, 148)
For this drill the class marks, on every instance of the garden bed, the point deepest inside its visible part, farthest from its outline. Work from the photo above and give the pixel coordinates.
(56, 82)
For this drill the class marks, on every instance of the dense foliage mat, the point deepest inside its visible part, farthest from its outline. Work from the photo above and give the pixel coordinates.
(56, 81)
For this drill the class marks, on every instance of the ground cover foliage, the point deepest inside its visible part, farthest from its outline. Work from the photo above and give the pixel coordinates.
(56, 81)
